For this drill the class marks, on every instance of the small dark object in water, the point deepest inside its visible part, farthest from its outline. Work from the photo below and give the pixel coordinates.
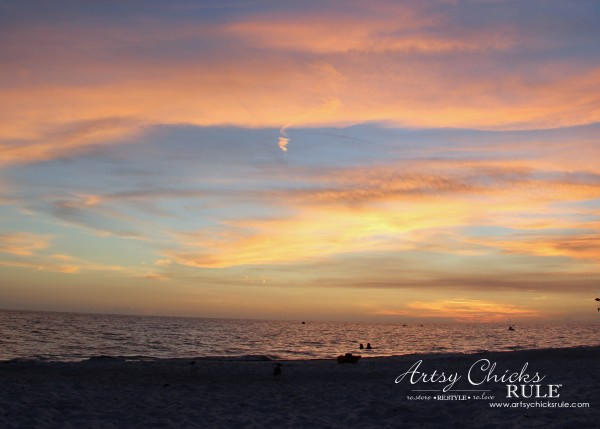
(277, 370)
(361, 346)
(193, 368)
(348, 358)
(369, 346)
(304, 323)
(510, 328)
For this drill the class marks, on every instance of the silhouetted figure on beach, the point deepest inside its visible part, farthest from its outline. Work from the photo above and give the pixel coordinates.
(369, 346)
(348, 358)
(361, 346)
(277, 370)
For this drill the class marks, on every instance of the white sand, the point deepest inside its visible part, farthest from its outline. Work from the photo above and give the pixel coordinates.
(111, 393)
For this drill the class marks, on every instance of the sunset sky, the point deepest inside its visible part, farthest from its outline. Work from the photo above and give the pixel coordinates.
(334, 160)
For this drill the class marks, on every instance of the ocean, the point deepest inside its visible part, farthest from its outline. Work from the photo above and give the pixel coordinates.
(74, 336)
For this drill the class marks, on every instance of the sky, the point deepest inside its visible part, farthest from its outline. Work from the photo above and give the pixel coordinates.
(389, 161)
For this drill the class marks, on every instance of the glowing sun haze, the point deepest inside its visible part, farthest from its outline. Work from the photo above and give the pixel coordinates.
(384, 160)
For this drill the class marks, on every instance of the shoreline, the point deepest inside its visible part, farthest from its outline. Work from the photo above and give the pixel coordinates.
(267, 358)
(112, 392)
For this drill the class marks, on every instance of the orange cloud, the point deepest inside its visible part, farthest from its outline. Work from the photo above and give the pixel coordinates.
(283, 142)
(403, 31)
(65, 140)
(386, 208)
(575, 246)
(23, 243)
(313, 234)
(59, 268)
(470, 310)
(62, 263)
(401, 66)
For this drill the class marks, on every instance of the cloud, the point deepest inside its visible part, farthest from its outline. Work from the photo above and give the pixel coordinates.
(512, 280)
(41, 266)
(103, 221)
(65, 140)
(572, 245)
(283, 142)
(151, 275)
(314, 233)
(470, 310)
(29, 250)
(67, 86)
(73, 266)
(401, 30)
(24, 243)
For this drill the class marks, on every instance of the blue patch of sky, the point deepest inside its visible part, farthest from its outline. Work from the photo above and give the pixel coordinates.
(586, 210)
(592, 204)
(487, 231)
(14, 220)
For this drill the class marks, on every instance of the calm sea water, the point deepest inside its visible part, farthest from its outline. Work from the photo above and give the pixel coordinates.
(72, 336)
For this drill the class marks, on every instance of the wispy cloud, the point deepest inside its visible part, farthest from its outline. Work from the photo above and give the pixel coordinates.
(51, 264)
(65, 140)
(469, 310)
(33, 251)
(101, 221)
(570, 244)
(24, 243)
(396, 29)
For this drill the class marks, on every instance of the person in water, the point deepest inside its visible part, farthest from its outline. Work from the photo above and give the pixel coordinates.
(361, 346)
(369, 346)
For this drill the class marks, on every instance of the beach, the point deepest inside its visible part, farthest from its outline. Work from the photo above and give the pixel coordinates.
(109, 392)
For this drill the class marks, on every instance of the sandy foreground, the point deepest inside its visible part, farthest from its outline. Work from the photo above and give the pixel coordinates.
(120, 393)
